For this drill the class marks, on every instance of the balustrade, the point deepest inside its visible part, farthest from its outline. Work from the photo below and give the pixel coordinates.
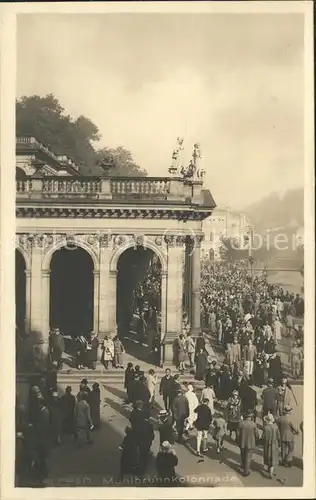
(140, 187)
(104, 188)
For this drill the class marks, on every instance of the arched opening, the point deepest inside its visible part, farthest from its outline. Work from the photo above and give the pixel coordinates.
(139, 298)
(20, 292)
(19, 173)
(71, 291)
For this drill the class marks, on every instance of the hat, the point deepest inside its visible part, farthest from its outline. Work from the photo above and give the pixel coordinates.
(166, 445)
(287, 409)
(235, 392)
(163, 413)
(84, 381)
(249, 414)
(270, 381)
(55, 394)
(269, 418)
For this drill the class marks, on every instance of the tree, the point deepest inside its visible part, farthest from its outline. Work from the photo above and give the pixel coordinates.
(45, 119)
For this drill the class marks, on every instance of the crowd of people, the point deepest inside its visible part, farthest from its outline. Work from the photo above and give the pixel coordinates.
(47, 418)
(220, 409)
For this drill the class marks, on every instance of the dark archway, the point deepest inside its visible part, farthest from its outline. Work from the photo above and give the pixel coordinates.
(20, 292)
(71, 291)
(138, 293)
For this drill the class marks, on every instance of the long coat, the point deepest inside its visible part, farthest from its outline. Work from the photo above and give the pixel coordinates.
(201, 364)
(151, 383)
(108, 350)
(271, 440)
(67, 404)
(94, 401)
(82, 414)
(118, 352)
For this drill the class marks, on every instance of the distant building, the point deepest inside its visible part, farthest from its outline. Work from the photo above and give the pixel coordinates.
(225, 223)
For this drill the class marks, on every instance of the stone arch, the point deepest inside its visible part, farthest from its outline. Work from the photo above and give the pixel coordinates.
(148, 244)
(26, 256)
(57, 246)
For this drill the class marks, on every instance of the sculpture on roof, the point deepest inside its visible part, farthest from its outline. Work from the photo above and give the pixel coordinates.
(193, 170)
(176, 158)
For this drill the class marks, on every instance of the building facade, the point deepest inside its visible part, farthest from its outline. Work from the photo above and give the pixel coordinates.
(102, 218)
(224, 223)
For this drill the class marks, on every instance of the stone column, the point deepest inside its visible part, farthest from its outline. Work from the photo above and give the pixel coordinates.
(27, 300)
(163, 304)
(112, 303)
(45, 309)
(104, 287)
(96, 301)
(174, 293)
(36, 290)
(196, 284)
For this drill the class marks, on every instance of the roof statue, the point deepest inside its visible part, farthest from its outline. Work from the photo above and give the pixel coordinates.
(176, 158)
(193, 170)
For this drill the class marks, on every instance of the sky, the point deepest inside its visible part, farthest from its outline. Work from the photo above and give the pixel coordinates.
(232, 82)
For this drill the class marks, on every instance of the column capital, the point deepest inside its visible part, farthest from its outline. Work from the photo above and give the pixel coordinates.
(113, 274)
(96, 273)
(46, 273)
(174, 240)
(27, 273)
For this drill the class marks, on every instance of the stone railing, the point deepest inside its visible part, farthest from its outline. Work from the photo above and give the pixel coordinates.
(141, 187)
(109, 188)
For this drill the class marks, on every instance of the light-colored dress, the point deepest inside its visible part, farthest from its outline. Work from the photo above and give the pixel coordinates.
(193, 404)
(108, 350)
(208, 393)
(151, 383)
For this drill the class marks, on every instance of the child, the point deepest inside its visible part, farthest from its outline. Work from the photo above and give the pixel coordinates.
(219, 431)
(165, 427)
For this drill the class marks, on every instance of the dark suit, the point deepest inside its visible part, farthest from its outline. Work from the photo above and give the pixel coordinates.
(287, 431)
(248, 436)
(166, 389)
(180, 411)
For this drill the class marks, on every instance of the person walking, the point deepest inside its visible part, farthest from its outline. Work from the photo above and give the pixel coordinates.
(83, 419)
(269, 399)
(249, 355)
(118, 357)
(166, 461)
(57, 347)
(201, 365)
(94, 401)
(151, 382)
(209, 393)
(271, 443)
(166, 388)
(180, 411)
(165, 427)
(107, 352)
(202, 425)
(128, 381)
(128, 448)
(287, 432)
(296, 356)
(67, 405)
(234, 414)
(219, 425)
(190, 347)
(248, 437)
(42, 438)
(181, 353)
(193, 404)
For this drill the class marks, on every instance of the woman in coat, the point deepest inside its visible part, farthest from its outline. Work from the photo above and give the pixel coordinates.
(107, 352)
(94, 400)
(201, 364)
(151, 382)
(118, 353)
(92, 349)
(181, 354)
(233, 414)
(128, 381)
(271, 442)
(193, 403)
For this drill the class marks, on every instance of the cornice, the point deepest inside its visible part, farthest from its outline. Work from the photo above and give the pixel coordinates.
(47, 212)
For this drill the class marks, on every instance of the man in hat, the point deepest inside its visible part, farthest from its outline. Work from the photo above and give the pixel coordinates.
(166, 462)
(287, 432)
(166, 388)
(248, 436)
(165, 428)
(180, 411)
(250, 353)
(269, 398)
